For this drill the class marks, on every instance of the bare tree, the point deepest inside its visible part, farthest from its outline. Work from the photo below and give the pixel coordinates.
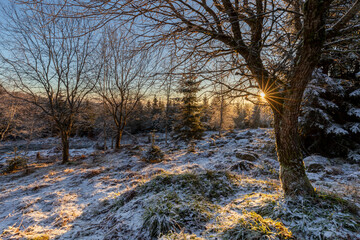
(49, 64)
(277, 42)
(8, 110)
(125, 77)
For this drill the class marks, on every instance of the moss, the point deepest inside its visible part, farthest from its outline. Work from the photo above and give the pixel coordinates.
(253, 226)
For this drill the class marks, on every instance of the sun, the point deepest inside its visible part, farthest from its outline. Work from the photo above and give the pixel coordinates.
(262, 95)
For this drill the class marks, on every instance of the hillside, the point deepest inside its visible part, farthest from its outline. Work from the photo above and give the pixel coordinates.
(223, 188)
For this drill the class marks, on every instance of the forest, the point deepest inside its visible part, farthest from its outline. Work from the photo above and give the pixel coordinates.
(180, 119)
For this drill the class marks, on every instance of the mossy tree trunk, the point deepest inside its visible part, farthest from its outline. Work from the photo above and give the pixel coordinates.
(292, 170)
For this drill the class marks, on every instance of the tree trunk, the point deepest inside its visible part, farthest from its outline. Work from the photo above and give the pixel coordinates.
(293, 178)
(65, 148)
(104, 132)
(118, 139)
(286, 111)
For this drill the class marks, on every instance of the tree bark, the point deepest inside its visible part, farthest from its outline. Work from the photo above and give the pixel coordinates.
(293, 178)
(118, 139)
(65, 148)
(286, 111)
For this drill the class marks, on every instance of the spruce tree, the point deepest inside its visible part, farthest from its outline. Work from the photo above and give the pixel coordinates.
(330, 120)
(205, 113)
(254, 120)
(189, 126)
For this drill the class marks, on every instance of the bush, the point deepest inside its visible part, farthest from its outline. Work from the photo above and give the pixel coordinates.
(18, 162)
(154, 155)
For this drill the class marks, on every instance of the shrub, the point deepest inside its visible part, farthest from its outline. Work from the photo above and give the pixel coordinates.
(19, 161)
(154, 155)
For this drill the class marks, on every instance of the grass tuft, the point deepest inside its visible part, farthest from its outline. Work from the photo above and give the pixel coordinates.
(253, 226)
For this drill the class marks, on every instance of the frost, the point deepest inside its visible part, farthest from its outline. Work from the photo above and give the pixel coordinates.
(355, 128)
(327, 104)
(336, 129)
(355, 93)
(189, 195)
(357, 75)
(354, 156)
(354, 112)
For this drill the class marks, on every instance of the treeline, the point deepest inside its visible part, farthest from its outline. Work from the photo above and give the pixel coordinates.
(20, 120)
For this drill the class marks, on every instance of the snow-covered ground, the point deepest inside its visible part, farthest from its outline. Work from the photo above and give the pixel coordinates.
(100, 195)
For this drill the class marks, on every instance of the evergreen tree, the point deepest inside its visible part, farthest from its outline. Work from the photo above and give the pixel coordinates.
(139, 119)
(254, 120)
(330, 120)
(205, 113)
(221, 115)
(241, 115)
(189, 126)
(158, 115)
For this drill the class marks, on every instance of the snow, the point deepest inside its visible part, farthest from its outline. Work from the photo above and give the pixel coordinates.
(336, 129)
(316, 159)
(355, 93)
(354, 112)
(76, 201)
(327, 104)
(357, 75)
(355, 127)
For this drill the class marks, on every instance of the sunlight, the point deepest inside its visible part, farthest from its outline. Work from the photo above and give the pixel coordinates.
(262, 94)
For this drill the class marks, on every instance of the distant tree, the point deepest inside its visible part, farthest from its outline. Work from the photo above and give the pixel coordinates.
(85, 121)
(139, 119)
(158, 115)
(221, 114)
(241, 113)
(168, 118)
(125, 80)
(49, 64)
(205, 112)
(8, 110)
(254, 119)
(189, 126)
